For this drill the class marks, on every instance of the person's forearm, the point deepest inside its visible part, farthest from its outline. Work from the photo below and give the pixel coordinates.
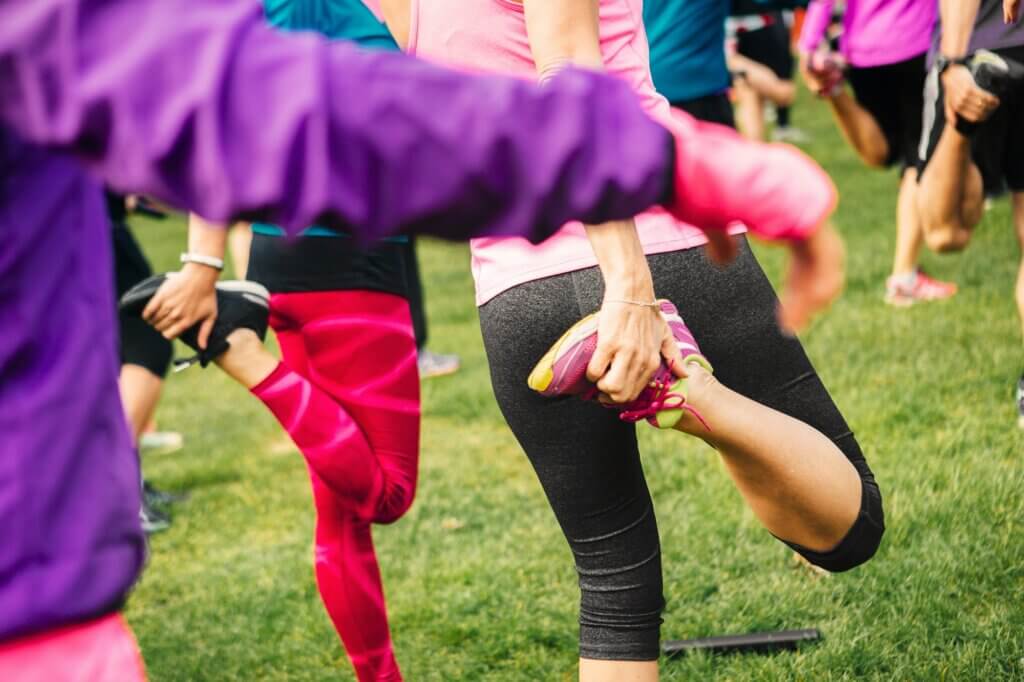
(563, 34)
(816, 21)
(621, 258)
(206, 238)
(201, 104)
(957, 18)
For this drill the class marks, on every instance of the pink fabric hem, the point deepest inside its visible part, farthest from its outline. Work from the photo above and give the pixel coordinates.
(101, 650)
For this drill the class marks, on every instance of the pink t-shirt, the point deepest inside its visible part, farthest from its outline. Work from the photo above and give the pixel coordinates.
(490, 35)
(875, 32)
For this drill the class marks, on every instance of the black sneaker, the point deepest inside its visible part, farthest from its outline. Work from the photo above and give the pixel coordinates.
(156, 498)
(992, 73)
(1019, 399)
(153, 520)
(240, 305)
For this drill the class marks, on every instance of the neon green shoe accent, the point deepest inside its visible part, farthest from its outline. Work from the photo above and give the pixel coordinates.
(668, 419)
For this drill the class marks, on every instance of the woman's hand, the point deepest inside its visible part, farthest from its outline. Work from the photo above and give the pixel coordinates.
(814, 278)
(631, 341)
(1011, 11)
(183, 300)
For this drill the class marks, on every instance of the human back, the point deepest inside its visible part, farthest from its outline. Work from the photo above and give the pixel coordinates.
(491, 36)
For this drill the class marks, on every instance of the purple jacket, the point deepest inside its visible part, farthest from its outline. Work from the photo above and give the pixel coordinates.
(200, 104)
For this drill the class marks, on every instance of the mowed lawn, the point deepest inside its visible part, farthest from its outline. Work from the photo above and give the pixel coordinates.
(480, 583)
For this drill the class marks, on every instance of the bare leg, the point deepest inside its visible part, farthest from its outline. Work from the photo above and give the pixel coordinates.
(1018, 219)
(797, 482)
(764, 81)
(140, 392)
(749, 111)
(908, 226)
(860, 129)
(247, 361)
(592, 670)
(950, 196)
(240, 240)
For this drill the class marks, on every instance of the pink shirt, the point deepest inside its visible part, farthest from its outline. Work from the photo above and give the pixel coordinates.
(490, 35)
(875, 32)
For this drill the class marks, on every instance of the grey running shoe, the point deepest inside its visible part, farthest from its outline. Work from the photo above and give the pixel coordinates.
(790, 134)
(161, 442)
(433, 364)
(153, 520)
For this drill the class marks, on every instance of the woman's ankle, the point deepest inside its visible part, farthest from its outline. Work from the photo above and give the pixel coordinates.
(246, 360)
(700, 388)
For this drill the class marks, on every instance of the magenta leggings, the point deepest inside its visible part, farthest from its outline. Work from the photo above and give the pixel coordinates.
(347, 392)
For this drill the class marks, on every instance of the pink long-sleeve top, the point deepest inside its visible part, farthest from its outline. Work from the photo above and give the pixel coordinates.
(875, 32)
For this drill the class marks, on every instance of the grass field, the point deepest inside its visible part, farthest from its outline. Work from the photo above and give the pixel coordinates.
(480, 583)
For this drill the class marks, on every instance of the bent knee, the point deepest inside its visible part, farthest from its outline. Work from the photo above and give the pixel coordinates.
(945, 237)
(861, 542)
(394, 504)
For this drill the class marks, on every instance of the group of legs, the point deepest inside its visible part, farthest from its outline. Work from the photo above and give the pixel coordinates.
(346, 392)
(881, 121)
(962, 164)
(899, 113)
(761, 63)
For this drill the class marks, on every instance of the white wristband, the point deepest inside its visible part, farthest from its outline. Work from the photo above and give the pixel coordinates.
(209, 261)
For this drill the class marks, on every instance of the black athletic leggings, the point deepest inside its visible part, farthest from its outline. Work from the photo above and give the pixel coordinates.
(587, 459)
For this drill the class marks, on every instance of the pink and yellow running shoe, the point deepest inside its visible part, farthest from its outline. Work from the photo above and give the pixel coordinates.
(563, 371)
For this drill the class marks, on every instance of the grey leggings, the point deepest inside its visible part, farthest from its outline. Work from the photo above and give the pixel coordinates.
(587, 459)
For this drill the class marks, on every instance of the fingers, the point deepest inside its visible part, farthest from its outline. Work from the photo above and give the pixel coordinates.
(974, 104)
(174, 328)
(599, 362)
(1011, 9)
(721, 247)
(155, 306)
(627, 376)
(670, 352)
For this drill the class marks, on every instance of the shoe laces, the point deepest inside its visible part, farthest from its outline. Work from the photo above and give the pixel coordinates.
(655, 398)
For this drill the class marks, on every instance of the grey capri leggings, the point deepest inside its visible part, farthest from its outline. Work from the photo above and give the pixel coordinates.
(587, 459)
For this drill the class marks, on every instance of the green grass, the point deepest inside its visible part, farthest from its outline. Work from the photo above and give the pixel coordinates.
(229, 592)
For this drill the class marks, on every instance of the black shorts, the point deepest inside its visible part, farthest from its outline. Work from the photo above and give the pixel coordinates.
(712, 108)
(893, 94)
(140, 344)
(314, 263)
(769, 46)
(997, 148)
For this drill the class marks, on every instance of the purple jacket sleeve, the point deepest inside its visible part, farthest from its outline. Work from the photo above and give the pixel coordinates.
(199, 103)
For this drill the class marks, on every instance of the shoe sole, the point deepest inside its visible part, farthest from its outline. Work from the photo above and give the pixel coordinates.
(135, 298)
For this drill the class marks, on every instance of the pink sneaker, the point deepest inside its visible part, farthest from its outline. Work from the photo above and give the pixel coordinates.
(904, 291)
(563, 371)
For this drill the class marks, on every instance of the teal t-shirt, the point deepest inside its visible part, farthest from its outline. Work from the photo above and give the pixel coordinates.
(339, 20)
(687, 39)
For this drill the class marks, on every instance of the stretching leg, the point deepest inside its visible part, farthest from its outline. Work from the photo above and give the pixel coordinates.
(359, 431)
(781, 438)
(951, 196)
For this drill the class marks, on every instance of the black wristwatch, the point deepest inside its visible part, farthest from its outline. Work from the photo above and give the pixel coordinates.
(942, 62)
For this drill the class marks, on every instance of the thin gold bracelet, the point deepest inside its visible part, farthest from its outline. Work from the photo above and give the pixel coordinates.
(654, 304)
